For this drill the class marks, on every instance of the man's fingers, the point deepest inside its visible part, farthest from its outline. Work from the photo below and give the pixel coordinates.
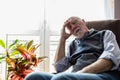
(66, 23)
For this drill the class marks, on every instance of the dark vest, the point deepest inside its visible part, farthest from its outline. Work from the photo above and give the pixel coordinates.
(86, 50)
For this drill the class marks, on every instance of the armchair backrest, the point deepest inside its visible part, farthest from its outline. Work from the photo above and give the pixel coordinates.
(113, 25)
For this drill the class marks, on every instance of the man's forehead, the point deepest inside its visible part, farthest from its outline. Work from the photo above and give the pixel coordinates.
(75, 18)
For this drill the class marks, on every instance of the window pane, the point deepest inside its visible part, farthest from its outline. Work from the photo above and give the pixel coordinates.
(57, 11)
(17, 16)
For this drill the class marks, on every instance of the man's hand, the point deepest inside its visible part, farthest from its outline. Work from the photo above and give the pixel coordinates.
(65, 35)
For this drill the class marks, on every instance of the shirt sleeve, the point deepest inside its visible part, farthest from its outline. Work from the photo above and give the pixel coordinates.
(62, 65)
(111, 49)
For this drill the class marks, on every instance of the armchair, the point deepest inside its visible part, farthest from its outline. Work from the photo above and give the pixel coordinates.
(113, 25)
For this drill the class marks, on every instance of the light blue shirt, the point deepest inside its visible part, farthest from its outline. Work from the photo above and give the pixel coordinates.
(111, 52)
(111, 49)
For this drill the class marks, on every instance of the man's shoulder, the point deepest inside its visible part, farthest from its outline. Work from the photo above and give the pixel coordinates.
(97, 32)
(106, 31)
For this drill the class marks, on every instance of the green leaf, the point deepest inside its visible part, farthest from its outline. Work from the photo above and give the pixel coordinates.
(13, 53)
(2, 44)
(29, 44)
(14, 43)
(2, 58)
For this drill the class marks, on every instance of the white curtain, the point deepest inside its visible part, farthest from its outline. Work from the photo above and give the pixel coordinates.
(109, 9)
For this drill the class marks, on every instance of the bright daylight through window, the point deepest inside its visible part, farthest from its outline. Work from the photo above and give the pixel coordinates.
(43, 20)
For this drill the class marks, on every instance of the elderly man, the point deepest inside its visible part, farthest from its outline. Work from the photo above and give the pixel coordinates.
(93, 54)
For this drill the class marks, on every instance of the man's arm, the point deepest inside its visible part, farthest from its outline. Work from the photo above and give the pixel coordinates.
(109, 59)
(100, 65)
(61, 62)
(60, 52)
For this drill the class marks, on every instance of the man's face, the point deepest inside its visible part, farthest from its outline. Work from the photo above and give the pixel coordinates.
(77, 27)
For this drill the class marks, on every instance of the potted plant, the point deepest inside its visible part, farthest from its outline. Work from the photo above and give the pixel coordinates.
(20, 58)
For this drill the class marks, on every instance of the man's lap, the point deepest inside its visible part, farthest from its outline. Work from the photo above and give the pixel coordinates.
(114, 75)
(39, 76)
